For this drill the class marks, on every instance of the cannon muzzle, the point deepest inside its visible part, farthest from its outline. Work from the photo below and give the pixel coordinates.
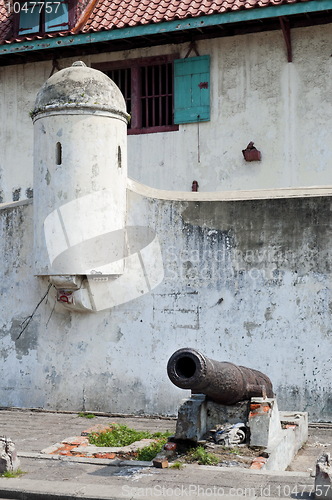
(222, 382)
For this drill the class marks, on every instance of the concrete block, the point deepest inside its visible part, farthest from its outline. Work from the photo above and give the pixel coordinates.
(218, 414)
(281, 434)
(323, 479)
(282, 451)
(191, 422)
(197, 415)
(283, 448)
(264, 422)
(300, 420)
(8, 455)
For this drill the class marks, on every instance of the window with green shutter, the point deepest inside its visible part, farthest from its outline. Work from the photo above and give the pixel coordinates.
(192, 89)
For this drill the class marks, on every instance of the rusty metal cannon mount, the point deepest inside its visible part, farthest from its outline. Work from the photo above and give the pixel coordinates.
(224, 393)
(222, 382)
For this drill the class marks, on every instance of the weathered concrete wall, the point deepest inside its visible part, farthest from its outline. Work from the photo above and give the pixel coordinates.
(247, 282)
(255, 95)
(285, 108)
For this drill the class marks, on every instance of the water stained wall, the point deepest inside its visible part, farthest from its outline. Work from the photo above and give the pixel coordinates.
(245, 281)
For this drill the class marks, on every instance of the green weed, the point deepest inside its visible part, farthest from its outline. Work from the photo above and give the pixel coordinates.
(176, 465)
(202, 456)
(149, 452)
(16, 473)
(121, 435)
(233, 450)
(86, 415)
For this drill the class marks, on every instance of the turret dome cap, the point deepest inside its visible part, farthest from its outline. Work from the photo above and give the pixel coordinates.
(80, 87)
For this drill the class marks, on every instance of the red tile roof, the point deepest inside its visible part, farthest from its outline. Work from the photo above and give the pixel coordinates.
(109, 14)
(6, 22)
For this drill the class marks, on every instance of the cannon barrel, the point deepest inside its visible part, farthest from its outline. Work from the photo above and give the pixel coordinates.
(222, 382)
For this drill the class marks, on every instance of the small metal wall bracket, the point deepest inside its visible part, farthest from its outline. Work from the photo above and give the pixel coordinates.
(251, 153)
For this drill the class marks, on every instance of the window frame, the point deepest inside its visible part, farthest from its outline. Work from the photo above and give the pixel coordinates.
(42, 20)
(136, 95)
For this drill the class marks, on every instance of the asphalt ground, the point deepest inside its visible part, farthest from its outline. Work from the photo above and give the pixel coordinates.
(54, 478)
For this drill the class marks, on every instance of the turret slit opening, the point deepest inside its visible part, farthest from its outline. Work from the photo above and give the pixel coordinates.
(119, 157)
(58, 153)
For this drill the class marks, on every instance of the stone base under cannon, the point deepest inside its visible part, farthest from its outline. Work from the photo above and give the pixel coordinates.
(279, 434)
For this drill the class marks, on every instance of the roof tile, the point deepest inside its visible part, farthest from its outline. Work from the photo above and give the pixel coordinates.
(110, 14)
(6, 22)
(130, 13)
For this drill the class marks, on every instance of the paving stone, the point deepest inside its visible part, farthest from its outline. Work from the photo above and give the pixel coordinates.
(77, 441)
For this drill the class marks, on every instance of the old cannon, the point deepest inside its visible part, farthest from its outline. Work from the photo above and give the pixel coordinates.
(222, 382)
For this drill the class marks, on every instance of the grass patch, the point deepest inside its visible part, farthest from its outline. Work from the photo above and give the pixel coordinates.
(86, 415)
(176, 465)
(149, 452)
(122, 435)
(202, 456)
(10, 473)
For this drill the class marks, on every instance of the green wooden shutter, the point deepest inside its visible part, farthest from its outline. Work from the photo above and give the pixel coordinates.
(56, 16)
(192, 89)
(29, 18)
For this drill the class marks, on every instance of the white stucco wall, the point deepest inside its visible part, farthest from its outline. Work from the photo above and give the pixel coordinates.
(244, 282)
(285, 108)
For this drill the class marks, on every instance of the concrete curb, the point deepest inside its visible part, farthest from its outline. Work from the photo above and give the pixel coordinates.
(116, 462)
(32, 489)
(140, 463)
(123, 416)
(28, 489)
